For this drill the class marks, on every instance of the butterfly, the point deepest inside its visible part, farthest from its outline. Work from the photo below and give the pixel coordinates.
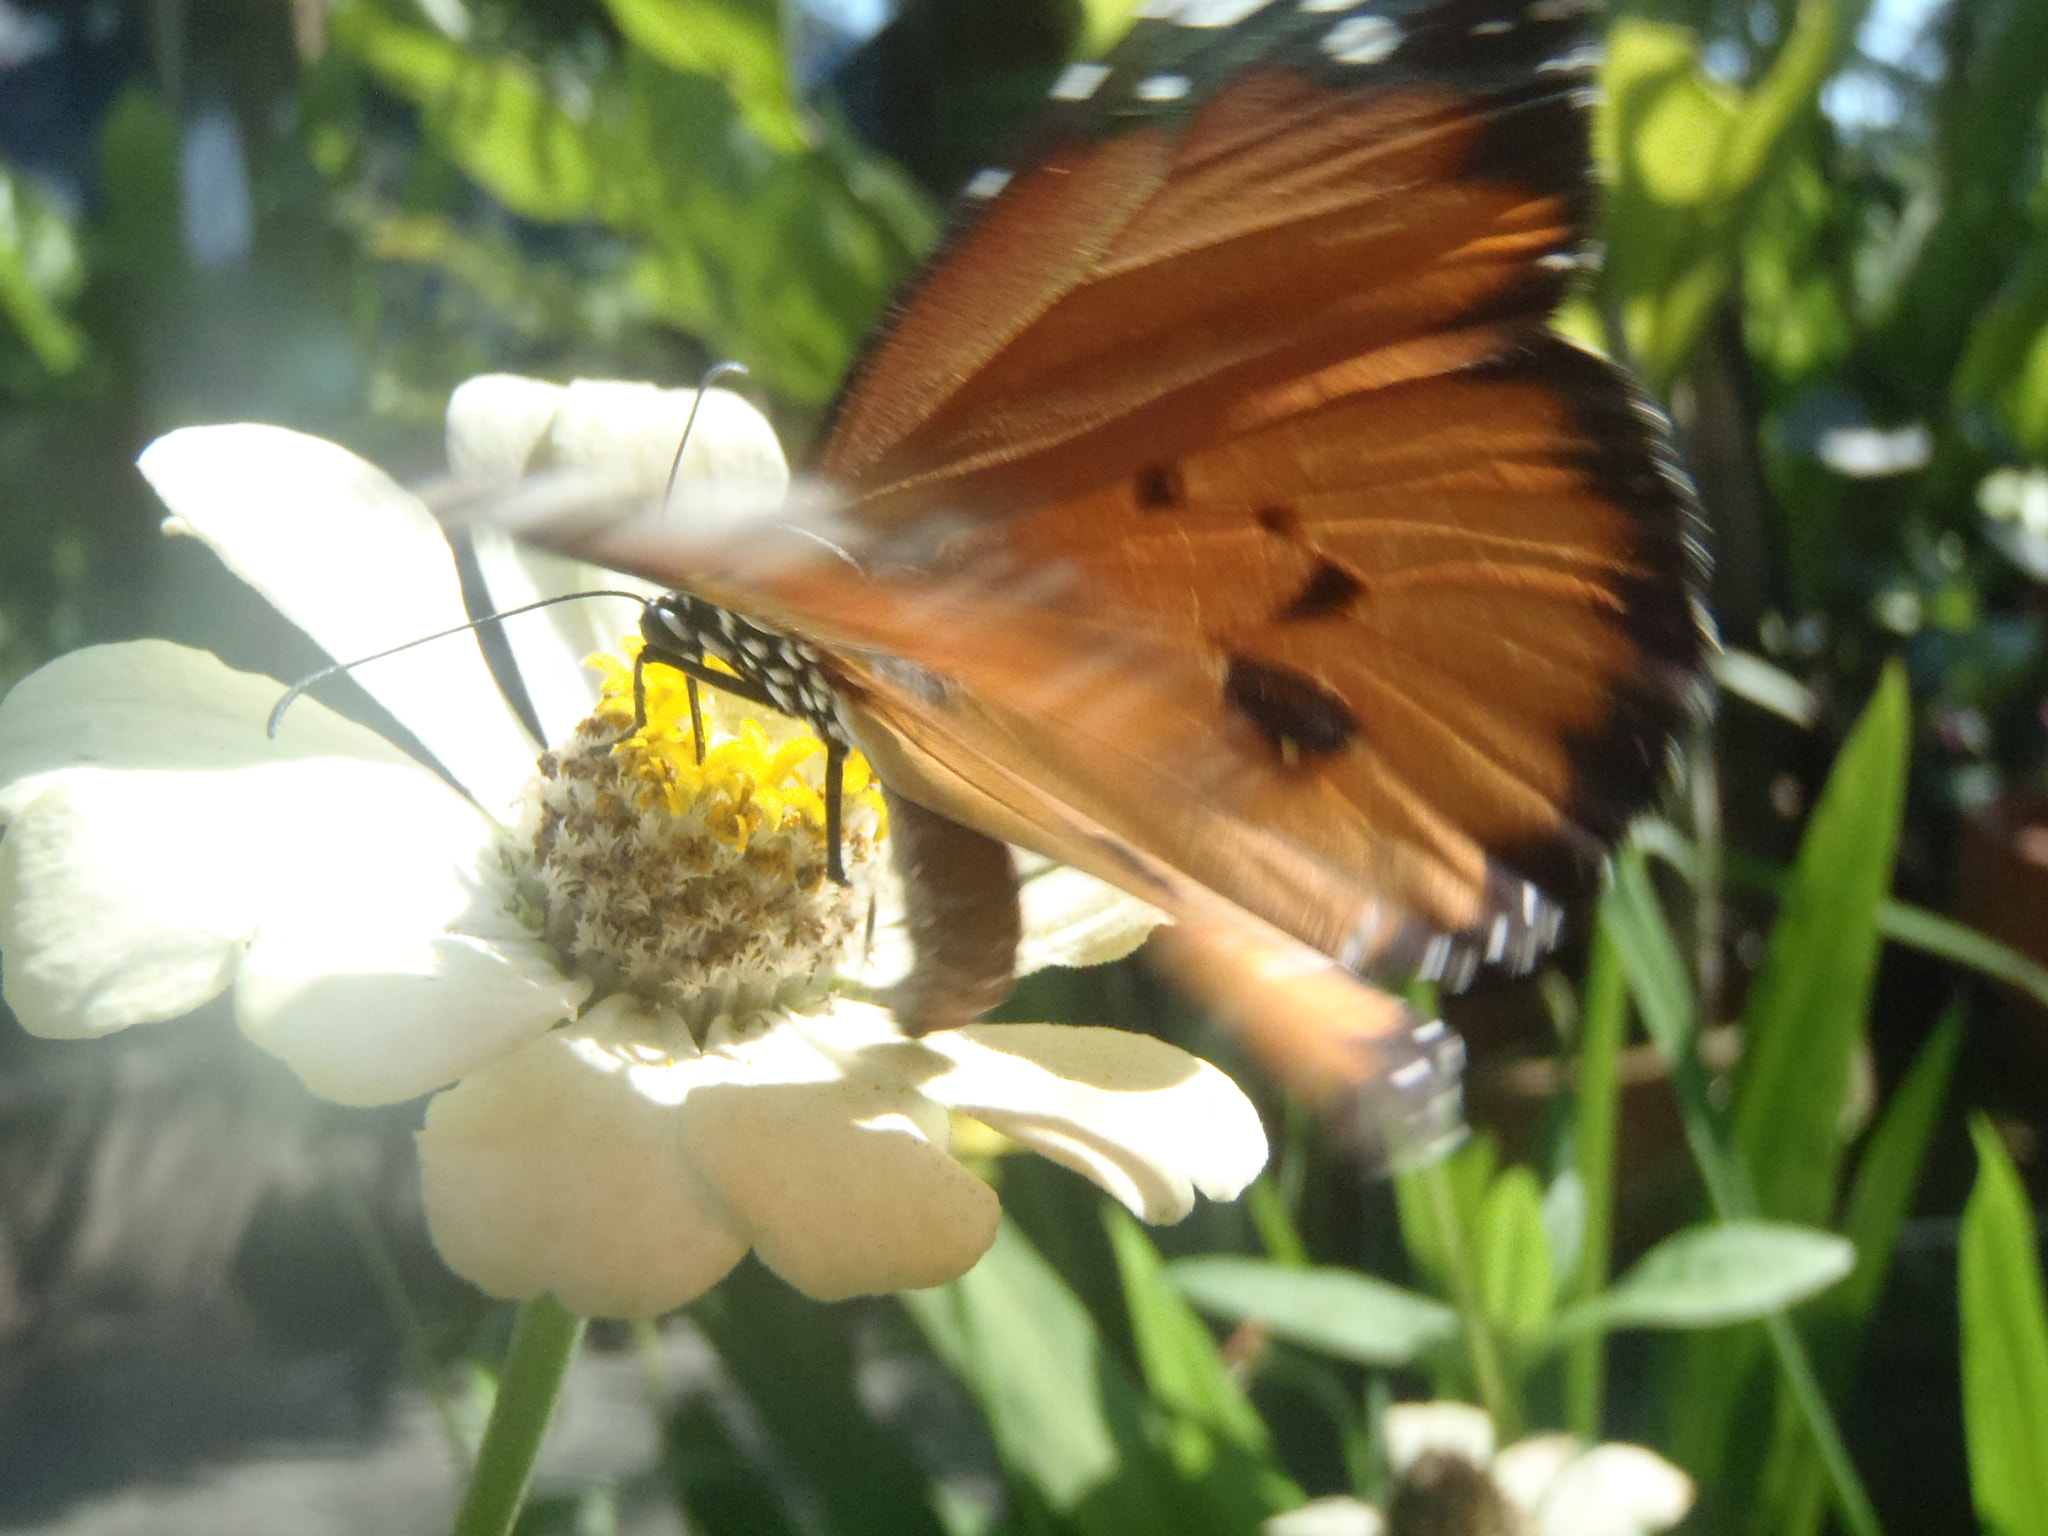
(1216, 513)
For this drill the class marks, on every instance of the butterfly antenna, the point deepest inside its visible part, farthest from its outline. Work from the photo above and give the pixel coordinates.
(712, 375)
(292, 693)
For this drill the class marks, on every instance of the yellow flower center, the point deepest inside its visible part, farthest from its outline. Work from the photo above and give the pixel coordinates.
(698, 886)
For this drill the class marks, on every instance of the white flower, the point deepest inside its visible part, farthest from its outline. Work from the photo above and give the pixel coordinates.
(1449, 1479)
(635, 1105)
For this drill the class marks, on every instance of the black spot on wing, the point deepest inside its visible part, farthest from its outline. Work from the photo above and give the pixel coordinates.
(1288, 707)
(1281, 522)
(1158, 488)
(1330, 589)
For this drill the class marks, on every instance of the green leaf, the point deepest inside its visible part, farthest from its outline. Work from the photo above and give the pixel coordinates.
(1333, 1311)
(1809, 1003)
(496, 116)
(1068, 1422)
(1216, 1439)
(1708, 1276)
(1177, 1356)
(736, 42)
(39, 271)
(2005, 1347)
(793, 1361)
(1633, 919)
(1468, 1174)
(1516, 1278)
(1889, 1171)
(1886, 1178)
(1689, 160)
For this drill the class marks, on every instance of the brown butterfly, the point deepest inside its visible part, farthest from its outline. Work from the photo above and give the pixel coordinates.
(1216, 514)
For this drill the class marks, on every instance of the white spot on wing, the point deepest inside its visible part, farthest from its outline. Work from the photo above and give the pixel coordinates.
(1320, 7)
(1494, 28)
(988, 182)
(1201, 13)
(1163, 87)
(1077, 82)
(1361, 39)
(1577, 61)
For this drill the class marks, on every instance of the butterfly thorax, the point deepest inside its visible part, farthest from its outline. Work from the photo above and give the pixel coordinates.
(735, 654)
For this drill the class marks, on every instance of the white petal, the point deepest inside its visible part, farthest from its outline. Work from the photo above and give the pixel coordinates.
(836, 1178)
(1337, 1515)
(549, 1171)
(1525, 1470)
(1616, 1490)
(1074, 919)
(358, 562)
(1145, 1120)
(161, 849)
(495, 422)
(495, 425)
(550, 644)
(151, 704)
(1458, 1429)
(732, 470)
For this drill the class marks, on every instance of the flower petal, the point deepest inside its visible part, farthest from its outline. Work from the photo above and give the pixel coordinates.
(549, 645)
(160, 849)
(615, 441)
(495, 422)
(1455, 1429)
(551, 1171)
(835, 1174)
(358, 562)
(1145, 1120)
(152, 704)
(1525, 1470)
(1337, 1515)
(1074, 919)
(1615, 1490)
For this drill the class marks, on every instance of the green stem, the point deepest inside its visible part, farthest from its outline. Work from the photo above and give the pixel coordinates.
(1603, 1021)
(1275, 1226)
(1482, 1349)
(544, 1338)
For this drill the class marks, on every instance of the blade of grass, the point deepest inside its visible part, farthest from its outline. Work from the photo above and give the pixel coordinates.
(2005, 1347)
(1648, 956)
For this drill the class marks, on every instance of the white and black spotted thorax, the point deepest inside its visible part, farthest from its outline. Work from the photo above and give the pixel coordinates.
(787, 675)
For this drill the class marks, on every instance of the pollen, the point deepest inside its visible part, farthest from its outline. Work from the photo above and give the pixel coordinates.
(690, 875)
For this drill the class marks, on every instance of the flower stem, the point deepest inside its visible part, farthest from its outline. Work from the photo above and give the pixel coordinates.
(1482, 1348)
(544, 1338)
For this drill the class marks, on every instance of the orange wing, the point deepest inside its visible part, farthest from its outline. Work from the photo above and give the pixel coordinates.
(1218, 514)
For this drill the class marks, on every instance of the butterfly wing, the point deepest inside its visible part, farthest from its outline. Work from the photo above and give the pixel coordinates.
(1219, 480)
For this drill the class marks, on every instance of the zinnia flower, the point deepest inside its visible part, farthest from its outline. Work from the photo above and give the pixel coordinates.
(652, 1006)
(1450, 1481)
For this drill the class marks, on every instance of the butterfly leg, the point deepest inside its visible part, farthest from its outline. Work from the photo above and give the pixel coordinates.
(835, 810)
(696, 719)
